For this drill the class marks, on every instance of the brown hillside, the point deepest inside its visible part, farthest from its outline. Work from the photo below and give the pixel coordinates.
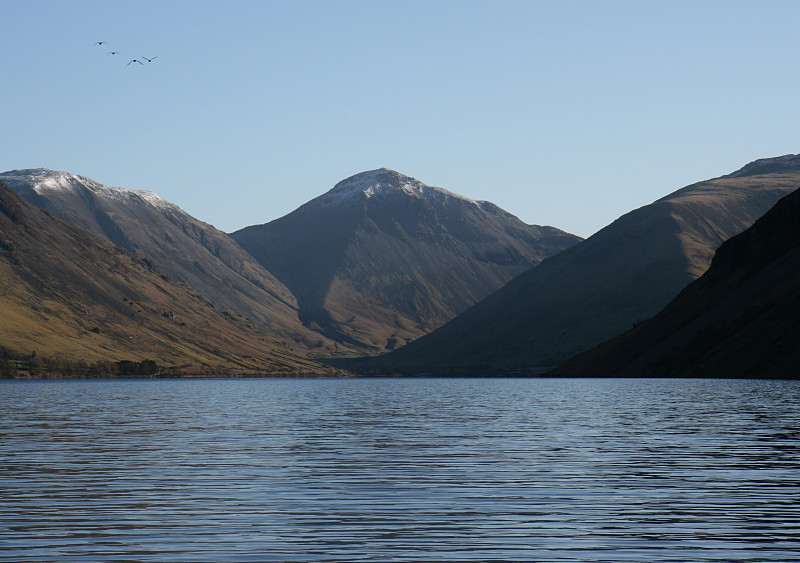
(65, 293)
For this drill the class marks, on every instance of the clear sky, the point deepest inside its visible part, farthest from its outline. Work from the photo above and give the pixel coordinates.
(567, 113)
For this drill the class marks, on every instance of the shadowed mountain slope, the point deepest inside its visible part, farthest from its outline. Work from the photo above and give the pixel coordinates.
(740, 319)
(184, 248)
(382, 258)
(66, 293)
(623, 274)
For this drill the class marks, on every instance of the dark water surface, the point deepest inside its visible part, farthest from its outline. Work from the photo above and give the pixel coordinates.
(400, 470)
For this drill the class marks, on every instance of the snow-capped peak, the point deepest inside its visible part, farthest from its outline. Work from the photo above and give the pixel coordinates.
(381, 182)
(40, 180)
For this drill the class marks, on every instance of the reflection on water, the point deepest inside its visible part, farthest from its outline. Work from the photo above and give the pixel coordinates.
(400, 470)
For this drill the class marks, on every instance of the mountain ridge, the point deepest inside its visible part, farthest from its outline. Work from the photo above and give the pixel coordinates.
(740, 319)
(784, 163)
(186, 249)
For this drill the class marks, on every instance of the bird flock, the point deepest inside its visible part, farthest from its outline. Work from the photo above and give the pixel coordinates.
(139, 60)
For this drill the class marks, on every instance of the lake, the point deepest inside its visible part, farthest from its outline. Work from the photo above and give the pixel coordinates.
(545, 470)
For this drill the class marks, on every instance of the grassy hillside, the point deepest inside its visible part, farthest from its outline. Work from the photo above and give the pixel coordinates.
(207, 260)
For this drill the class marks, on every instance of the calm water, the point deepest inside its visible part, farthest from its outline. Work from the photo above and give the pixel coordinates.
(400, 470)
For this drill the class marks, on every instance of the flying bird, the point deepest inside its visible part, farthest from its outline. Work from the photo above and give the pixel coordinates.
(134, 61)
(99, 42)
(150, 60)
(113, 52)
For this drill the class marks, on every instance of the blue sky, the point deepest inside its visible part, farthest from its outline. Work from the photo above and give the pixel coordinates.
(567, 113)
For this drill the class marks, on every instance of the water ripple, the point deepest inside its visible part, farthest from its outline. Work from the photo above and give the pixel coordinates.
(400, 470)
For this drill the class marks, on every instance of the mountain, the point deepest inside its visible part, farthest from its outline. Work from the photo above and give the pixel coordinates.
(184, 248)
(382, 258)
(67, 294)
(622, 275)
(740, 319)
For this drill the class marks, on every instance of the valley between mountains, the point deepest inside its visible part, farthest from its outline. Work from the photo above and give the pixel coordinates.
(381, 274)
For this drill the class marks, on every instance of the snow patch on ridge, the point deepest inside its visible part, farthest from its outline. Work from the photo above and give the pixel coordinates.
(153, 199)
(40, 180)
(785, 163)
